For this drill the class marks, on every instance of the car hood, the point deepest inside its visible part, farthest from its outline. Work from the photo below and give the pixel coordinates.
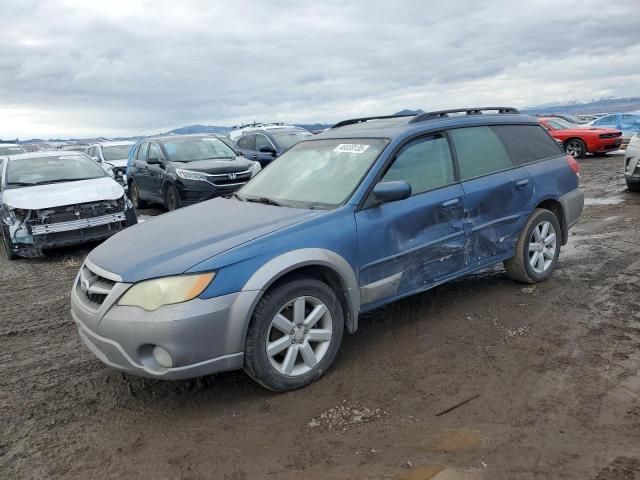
(117, 163)
(238, 164)
(60, 194)
(172, 243)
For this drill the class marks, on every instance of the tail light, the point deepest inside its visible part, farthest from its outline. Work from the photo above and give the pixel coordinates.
(573, 165)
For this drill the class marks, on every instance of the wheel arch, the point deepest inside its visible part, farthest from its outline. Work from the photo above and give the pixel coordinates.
(584, 142)
(315, 262)
(555, 206)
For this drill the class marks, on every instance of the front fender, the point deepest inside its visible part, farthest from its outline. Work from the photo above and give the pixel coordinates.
(275, 268)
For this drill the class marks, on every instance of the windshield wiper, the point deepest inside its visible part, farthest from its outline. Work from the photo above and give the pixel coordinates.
(266, 201)
(61, 180)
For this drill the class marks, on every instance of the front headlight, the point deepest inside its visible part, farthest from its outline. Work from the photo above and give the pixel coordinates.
(191, 175)
(255, 168)
(153, 294)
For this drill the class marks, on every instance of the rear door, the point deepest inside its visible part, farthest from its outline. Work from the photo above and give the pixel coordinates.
(156, 171)
(141, 174)
(498, 195)
(408, 245)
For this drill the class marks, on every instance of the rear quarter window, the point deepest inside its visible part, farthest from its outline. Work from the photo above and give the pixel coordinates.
(480, 152)
(526, 143)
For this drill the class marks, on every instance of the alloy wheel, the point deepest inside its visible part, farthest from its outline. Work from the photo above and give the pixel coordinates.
(299, 336)
(574, 149)
(542, 247)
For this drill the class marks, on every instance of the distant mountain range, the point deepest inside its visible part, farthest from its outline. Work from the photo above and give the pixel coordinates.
(598, 105)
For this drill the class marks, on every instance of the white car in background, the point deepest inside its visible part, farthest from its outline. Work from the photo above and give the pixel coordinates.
(112, 156)
(11, 149)
(55, 199)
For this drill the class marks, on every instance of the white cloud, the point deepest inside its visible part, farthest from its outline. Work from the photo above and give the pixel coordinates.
(76, 68)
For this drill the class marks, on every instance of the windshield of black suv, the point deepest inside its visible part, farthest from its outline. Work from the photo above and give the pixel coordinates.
(315, 173)
(116, 152)
(194, 149)
(10, 150)
(66, 167)
(560, 124)
(286, 140)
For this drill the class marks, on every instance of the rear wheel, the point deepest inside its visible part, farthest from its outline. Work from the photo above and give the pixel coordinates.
(575, 147)
(135, 196)
(8, 251)
(537, 248)
(295, 334)
(171, 198)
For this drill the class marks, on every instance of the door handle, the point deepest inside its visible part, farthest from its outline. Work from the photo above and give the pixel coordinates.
(450, 203)
(521, 184)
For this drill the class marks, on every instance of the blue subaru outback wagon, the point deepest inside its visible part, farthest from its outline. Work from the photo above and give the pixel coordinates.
(373, 210)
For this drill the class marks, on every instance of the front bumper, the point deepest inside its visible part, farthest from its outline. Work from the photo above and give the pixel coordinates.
(201, 336)
(607, 145)
(192, 191)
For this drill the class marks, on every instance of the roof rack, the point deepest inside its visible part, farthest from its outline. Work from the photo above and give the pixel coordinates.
(468, 111)
(352, 121)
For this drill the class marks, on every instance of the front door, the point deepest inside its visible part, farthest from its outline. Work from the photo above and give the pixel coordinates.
(265, 158)
(156, 171)
(409, 245)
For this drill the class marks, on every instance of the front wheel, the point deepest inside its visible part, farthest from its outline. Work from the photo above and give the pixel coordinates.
(6, 242)
(171, 198)
(294, 336)
(575, 147)
(537, 248)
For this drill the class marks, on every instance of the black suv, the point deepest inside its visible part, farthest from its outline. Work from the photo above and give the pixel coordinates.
(180, 170)
(264, 145)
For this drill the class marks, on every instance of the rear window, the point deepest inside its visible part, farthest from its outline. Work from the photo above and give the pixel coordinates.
(480, 152)
(526, 143)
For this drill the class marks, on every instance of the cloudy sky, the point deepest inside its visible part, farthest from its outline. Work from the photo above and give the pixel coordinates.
(109, 67)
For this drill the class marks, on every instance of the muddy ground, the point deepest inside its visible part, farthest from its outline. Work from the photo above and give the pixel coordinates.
(554, 370)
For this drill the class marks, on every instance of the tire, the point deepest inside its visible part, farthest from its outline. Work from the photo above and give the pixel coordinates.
(134, 195)
(171, 198)
(270, 370)
(633, 186)
(521, 267)
(6, 243)
(575, 147)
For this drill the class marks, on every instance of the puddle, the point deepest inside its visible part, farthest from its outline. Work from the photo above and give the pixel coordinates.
(438, 472)
(578, 245)
(604, 201)
(457, 441)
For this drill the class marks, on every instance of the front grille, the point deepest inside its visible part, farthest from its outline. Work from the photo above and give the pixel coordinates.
(92, 288)
(78, 224)
(231, 178)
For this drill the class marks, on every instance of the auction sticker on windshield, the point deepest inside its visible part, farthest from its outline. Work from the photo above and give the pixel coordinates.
(351, 148)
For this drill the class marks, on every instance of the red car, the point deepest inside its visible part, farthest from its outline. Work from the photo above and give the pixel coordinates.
(578, 141)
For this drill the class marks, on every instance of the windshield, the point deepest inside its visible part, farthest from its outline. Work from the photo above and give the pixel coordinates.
(317, 173)
(10, 150)
(560, 124)
(194, 149)
(41, 170)
(115, 152)
(286, 140)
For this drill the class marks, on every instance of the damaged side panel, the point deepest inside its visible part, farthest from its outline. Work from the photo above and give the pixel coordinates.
(408, 246)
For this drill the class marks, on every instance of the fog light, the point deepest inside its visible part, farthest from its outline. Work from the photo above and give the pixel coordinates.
(161, 356)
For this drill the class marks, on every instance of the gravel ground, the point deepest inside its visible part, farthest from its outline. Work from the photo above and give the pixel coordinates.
(552, 371)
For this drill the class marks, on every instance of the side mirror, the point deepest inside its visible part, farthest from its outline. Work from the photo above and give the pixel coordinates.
(267, 149)
(153, 161)
(386, 192)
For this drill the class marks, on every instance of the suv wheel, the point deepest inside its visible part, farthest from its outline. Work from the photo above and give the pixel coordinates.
(171, 198)
(8, 251)
(295, 334)
(135, 196)
(537, 248)
(575, 147)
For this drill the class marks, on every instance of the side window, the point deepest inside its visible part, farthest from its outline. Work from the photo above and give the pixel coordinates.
(606, 120)
(142, 151)
(480, 152)
(248, 142)
(424, 163)
(526, 143)
(262, 140)
(154, 151)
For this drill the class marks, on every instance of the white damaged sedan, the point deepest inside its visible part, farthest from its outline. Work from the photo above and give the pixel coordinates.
(55, 199)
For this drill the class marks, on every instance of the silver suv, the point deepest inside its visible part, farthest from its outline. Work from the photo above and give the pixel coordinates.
(632, 164)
